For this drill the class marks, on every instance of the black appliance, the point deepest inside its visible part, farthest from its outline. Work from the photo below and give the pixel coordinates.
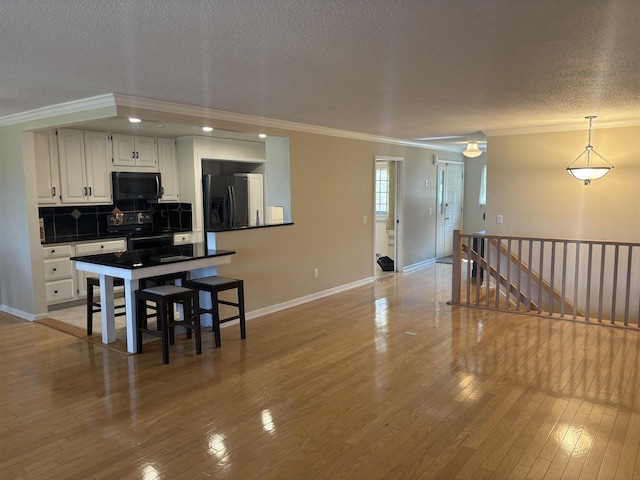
(136, 186)
(138, 229)
(226, 201)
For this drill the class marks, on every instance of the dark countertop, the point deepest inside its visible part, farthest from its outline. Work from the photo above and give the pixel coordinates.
(247, 227)
(134, 259)
(102, 236)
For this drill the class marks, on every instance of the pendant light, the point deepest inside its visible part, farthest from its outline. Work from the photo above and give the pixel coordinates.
(472, 150)
(587, 171)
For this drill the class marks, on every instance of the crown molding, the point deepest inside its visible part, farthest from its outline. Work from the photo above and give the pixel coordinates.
(212, 114)
(567, 127)
(73, 106)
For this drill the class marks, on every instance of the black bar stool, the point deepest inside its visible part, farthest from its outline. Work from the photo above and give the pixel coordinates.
(214, 285)
(164, 297)
(95, 307)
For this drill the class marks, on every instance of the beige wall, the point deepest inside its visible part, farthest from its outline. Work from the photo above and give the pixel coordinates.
(528, 185)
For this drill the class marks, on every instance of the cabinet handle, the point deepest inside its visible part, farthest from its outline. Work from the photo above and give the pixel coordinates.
(101, 246)
(53, 251)
(53, 189)
(137, 155)
(133, 154)
(90, 191)
(55, 291)
(85, 191)
(55, 269)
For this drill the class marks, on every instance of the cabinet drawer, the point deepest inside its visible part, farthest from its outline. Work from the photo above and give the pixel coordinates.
(181, 238)
(59, 291)
(56, 251)
(101, 247)
(57, 268)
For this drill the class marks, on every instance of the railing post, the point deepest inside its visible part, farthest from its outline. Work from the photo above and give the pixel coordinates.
(457, 267)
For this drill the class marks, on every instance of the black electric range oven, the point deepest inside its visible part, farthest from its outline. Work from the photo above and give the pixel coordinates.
(137, 227)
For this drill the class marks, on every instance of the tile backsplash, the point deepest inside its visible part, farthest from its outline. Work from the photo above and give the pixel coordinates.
(67, 224)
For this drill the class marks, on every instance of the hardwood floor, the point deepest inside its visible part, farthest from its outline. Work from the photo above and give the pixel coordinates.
(385, 381)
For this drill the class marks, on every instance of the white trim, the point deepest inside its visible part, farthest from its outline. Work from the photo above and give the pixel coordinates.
(74, 106)
(625, 122)
(301, 300)
(118, 100)
(417, 266)
(24, 315)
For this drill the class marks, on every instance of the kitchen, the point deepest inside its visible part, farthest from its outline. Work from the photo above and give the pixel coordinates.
(123, 201)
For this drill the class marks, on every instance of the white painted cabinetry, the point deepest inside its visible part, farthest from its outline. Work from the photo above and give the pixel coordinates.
(134, 151)
(58, 273)
(47, 171)
(84, 167)
(182, 238)
(92, 248)
(168, 167)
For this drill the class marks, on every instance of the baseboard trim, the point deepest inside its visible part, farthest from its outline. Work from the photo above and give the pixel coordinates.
(19, 313)
(417, 266)
(301, 300)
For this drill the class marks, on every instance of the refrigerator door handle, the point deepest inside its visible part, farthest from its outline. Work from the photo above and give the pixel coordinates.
(233, 206)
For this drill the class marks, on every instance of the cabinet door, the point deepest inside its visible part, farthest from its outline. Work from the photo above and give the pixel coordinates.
(123, 150)
(97, 150)
(73, 188)
(168, 165)
(47, 171)
(145, 151)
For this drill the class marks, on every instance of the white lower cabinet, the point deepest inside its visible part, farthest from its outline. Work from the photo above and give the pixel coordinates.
(63, 282)
(182, 238)
(58, 273)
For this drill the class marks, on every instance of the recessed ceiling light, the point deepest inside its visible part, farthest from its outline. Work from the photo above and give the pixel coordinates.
(160, 125)
(207, 129)
(134, 120)
(262, 135)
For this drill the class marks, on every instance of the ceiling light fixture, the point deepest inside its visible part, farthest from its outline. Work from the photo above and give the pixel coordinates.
(207, 129)
(134, 120)
(262, 135)
(587, 171)
(472, 150)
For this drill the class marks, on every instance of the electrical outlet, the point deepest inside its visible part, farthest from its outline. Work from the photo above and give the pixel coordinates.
(364, 219)
(315, 273)
(431, 211)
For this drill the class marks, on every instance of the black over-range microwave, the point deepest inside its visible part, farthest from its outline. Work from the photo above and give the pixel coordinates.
(136, 186)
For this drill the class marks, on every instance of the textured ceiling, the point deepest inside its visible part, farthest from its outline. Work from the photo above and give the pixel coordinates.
(402, 69)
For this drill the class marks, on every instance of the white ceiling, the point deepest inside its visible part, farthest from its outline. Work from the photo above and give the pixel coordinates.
(401, 69)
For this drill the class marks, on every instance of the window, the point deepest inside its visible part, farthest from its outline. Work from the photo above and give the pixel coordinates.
(382, 189)
(483, 186)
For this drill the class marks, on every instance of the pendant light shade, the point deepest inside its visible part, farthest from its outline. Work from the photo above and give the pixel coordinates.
(586, 171)
(472, 150)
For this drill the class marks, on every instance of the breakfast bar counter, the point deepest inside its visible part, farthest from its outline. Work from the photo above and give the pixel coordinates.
(134, 265)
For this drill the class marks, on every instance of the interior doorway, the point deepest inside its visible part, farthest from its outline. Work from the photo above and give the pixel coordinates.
(387, 214)
(450, 205)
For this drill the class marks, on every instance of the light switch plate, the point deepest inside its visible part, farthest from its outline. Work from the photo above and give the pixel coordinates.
(499, 219)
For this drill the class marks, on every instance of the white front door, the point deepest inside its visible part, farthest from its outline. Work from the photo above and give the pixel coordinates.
(450, 203)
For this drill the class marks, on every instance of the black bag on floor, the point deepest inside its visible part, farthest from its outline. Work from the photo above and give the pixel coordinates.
(386, 264)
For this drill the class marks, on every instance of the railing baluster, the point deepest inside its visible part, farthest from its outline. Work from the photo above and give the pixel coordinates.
(469, 244)
(601, 292)
(457, 266)
(540, 276)
(498, 262)
(480, 257)
(616, 253)
(575, 281)
(564, 279)
(529, 275)
(508, 292)
(589, 268)
(487, 281)
(628, 291)
(551, 276)
(519, 274)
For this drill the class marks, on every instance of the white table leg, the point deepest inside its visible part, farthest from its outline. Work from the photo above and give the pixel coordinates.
(106, 309)
(130, 287)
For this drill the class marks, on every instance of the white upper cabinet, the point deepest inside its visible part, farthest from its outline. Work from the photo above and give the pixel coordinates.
(84, 167)
(47, 171)
(168, 165)
(134, 151)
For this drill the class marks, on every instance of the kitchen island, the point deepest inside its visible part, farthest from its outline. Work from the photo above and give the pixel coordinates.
(134, 265)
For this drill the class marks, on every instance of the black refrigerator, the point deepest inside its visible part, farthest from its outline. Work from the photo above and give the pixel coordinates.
(233, 201)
